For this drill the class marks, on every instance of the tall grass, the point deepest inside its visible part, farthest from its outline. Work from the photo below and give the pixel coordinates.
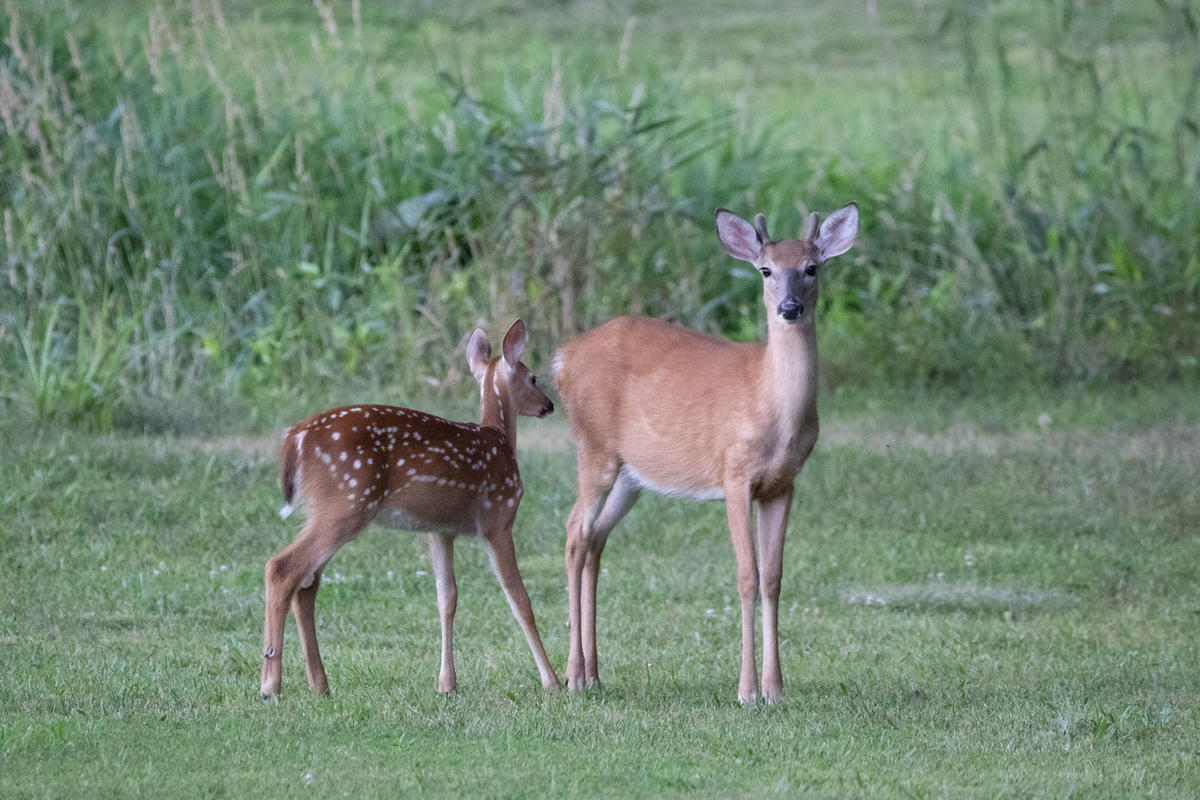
(206, 199)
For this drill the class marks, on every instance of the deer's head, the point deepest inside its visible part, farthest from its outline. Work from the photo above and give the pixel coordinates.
(506, 375)
(789, 267)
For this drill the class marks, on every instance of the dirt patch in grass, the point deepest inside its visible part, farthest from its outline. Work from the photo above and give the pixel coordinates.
(240, 445)
(947, 597)
(1164, 443)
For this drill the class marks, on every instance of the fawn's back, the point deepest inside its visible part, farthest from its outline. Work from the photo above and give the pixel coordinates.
(400, 468)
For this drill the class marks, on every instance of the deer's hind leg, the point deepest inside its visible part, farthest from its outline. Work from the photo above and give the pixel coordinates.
(293, 569)
(621, 498)
(304, 609)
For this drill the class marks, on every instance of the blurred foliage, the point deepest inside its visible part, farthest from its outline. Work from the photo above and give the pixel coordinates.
(208, 200)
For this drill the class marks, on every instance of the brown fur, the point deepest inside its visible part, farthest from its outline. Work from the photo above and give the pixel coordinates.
(657, 405)
(357, 464)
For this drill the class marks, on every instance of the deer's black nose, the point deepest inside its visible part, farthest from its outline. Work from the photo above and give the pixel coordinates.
(790, 309)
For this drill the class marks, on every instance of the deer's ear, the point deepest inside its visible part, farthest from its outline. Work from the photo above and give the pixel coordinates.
(738, 237)
(479, 352)
(838, 232)
(514, 343)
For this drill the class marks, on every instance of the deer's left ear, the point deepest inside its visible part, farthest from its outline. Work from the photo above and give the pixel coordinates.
(514, 344)
(479, 352)
(838, 232)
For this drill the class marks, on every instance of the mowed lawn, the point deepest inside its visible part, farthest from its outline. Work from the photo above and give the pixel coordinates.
(992, 599)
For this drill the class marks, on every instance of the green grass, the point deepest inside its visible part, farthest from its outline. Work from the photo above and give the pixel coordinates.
(976, 604)
(260, 201)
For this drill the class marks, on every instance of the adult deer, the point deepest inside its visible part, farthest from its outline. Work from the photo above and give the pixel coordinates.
(653, 405)
(412, 471)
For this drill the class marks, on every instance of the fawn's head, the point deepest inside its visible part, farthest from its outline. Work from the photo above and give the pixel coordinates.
(789, 266)
(505, 375)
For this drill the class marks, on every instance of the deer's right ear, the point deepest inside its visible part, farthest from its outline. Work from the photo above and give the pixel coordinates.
(479, 352)
(513, 346)
(738, 237)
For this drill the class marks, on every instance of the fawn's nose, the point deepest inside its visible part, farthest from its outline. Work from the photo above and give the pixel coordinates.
(790, 309)
(547, 409)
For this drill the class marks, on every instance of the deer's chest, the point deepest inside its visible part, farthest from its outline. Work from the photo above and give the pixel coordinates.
(782, 457)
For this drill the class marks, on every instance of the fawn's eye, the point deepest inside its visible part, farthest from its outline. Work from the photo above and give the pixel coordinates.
(810, 270)
(766, 273)
(533, 380)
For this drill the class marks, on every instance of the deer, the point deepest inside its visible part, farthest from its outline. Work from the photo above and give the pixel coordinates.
(404, 469)
(653, 405)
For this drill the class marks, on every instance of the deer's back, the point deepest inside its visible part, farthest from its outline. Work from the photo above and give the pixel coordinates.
(403, 468)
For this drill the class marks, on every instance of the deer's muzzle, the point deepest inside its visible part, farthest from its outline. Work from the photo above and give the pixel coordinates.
(790, 309)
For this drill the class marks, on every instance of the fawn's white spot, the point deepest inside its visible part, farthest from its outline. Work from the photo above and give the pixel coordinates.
(336, 436)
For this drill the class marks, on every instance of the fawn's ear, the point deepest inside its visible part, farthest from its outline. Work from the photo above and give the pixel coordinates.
(739, 238)
(514, 343)
(838, 232)
(479, 352)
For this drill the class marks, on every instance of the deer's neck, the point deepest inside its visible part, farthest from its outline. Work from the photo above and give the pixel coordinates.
(789, 373)
(495, 408)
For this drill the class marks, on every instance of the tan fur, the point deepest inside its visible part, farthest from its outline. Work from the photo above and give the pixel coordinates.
(353, 465)
(642, 391)
(654, 405)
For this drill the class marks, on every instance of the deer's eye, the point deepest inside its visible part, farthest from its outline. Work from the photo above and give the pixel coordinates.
(810, 270)
(766, 273)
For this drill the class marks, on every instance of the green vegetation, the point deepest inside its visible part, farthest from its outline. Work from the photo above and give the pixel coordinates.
(975, 605)
(259, 202)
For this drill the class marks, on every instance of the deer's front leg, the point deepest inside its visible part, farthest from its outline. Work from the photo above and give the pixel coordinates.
(772, 530)
(441, 552)
(738, 509)
(504, 563)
